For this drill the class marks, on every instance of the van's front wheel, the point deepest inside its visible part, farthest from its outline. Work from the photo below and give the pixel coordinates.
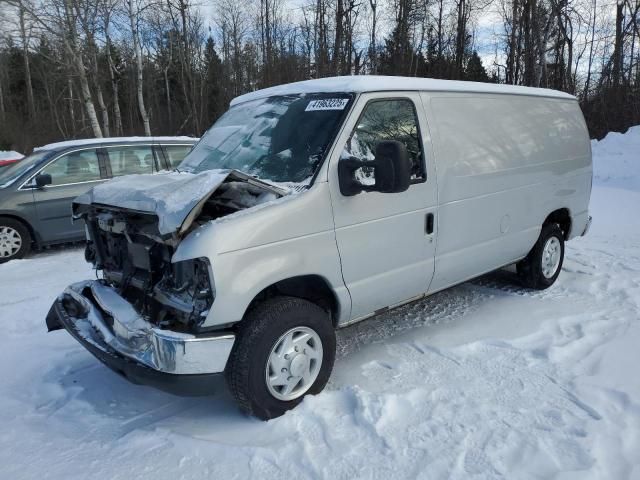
(541, 267)
(285, 348)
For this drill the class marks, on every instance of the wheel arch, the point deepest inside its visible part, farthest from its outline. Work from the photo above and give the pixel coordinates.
(314, 288)
(34, 234)
(561, 216)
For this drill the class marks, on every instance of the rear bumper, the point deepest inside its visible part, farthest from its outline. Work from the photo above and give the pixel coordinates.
(587, 226)
(108, 327)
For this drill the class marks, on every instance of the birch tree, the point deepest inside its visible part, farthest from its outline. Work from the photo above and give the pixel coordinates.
(134, 10)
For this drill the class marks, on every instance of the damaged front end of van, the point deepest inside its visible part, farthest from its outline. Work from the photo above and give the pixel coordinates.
(180, 256)
(144, 317)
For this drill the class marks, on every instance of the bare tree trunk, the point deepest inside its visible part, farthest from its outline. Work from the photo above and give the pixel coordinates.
(461, 36)
(321, 40)
(72, 113)
(337, 45)
(54, 110)
(117, 116)
(511, 76)
(27, 67)
(373, 51)
(76, 58)
(568, 35)
(618, 46)
(133, 19)
(543, 39)
(587, 82)
(3, 114)
(100, 98)
(527, 19)
(168, 94)
(86, 96)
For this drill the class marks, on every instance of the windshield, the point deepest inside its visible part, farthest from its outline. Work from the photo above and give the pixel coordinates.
(9, 174)
(282, 139)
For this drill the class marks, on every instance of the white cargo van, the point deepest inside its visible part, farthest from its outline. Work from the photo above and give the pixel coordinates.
(314, 205)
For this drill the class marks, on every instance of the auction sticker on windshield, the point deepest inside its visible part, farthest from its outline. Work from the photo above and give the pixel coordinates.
(327, 104)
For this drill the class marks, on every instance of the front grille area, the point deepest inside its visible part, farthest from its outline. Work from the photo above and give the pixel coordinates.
(138, 264)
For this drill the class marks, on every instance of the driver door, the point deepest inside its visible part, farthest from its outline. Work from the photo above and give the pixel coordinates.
(386, 240)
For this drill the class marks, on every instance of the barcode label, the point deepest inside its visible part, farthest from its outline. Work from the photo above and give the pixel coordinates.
(327, 104)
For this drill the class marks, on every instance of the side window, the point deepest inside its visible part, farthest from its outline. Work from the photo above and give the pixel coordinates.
(393, 119)
(128, 160)
(74, 167)
(176, 153)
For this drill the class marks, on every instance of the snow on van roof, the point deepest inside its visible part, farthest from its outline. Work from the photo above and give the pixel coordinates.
(377, 83)
(92, 141)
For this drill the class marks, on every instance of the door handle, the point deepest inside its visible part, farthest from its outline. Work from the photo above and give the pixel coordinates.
(429, 224)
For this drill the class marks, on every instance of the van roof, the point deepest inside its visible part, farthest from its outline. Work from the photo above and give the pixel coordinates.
(109, 140)
(379, 83)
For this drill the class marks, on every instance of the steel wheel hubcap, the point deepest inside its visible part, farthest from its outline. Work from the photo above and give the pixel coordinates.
(10, 241)
(551, 257)
(294, 363)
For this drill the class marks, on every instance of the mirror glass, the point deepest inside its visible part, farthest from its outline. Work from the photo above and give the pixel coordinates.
(385, 119)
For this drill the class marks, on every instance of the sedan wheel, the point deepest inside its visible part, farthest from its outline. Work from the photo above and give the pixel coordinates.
(10, 242)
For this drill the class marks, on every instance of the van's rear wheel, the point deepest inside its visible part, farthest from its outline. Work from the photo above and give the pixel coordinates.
(541, 267)
(15, 240)
(285, 348)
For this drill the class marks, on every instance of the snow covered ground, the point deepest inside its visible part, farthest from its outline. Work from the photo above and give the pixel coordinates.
(485, 380)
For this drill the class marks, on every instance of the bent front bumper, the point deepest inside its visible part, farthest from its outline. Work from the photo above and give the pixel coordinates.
(110, 328)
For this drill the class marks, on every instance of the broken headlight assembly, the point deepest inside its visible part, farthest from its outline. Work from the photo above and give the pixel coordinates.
(184, 293)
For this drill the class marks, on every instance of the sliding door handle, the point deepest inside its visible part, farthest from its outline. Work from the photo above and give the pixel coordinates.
(429, 224)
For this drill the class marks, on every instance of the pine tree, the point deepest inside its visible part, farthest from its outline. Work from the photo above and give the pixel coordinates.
(475, 71)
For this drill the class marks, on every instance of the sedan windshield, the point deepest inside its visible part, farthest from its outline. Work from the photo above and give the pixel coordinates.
(282, 139)
(9, 174)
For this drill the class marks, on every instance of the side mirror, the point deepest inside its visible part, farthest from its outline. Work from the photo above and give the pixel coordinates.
(391, 166)
(43, 179)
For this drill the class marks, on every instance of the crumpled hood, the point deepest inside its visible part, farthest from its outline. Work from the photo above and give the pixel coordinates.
(171, 196)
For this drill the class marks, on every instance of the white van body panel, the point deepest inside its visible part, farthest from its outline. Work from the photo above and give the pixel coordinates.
(387, 257)
(505, 162)
(248, 252)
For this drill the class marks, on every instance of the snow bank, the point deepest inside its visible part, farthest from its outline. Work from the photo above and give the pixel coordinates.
(10, 155)
(616, 159)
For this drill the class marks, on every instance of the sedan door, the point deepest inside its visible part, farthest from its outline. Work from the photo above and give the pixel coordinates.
(386, 240)
(131, 159)
(72, 174)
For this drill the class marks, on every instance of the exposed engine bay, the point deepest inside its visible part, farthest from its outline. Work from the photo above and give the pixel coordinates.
(134, 255)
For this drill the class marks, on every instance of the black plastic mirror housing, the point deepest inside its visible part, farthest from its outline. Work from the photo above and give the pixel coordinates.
(392, 170)
(43, 179)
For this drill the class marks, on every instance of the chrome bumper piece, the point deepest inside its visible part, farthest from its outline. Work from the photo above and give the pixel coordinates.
(112, 320)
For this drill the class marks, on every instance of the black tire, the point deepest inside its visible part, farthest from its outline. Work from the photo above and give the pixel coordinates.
(530, 269)
(25, 238)
(257, 334)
